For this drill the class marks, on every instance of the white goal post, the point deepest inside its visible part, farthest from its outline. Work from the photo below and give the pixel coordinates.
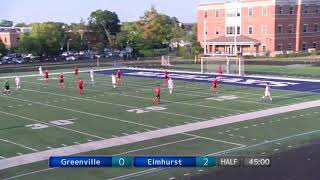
(227, 64)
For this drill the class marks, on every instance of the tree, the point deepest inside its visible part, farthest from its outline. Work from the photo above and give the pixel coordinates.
(44, 39)
(6, 23)
(106, 22)
(21, 25)
(3, 48)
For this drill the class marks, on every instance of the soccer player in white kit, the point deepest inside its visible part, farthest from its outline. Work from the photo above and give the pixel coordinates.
(114, 81)
(18, 82)
(91, 75)
(267, 93)
(40, 71)
(170, 85)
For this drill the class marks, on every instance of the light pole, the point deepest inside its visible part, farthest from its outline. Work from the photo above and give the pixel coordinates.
(205, 32)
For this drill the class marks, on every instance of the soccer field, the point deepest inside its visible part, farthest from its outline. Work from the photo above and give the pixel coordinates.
(42, 118)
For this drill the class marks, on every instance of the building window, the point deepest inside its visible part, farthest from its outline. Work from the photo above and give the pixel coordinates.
(264, 11)
(305, 28)
(314, 45)
(280, 29)
(250, 11)
(280, 10)
(217, 12)
(5, 40)
(230, 30)
(318, 10)
(280, 47)
(291, 10)
(205, 14)
(250, 30)
(290, 29)
(217, 30)
(289, 46)
(264, 29)
(233, 12)
(304, 46)
(316, 27)
(306, 9)
(264, 48)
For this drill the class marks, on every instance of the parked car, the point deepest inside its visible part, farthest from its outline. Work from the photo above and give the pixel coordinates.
(71, 58)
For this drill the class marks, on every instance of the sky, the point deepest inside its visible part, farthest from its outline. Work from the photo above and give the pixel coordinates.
(73, 10)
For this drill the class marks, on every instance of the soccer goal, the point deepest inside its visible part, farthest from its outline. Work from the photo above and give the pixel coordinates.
(165, 61)
(227, 64)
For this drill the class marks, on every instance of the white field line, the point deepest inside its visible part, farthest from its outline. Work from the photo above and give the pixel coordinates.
(49, 124)
(114, 104)
(29, 173)
(252, 76)
(17, 144)
(102, 144)
(140, 173)
(138, 97)
(115, 119)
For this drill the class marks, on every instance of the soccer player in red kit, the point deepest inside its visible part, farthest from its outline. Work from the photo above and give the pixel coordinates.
(46, 76)
(166, 77)
(214, 86)
(61, 80)
(220, 71)
(119, 81)
(76, 72)
(156, 92)
(80, 85)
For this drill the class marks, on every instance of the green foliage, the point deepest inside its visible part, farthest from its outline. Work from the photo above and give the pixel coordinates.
(6, 23)
(44, 39)
(291, 55)
(106, 23)
(3, 48)
(21, 25)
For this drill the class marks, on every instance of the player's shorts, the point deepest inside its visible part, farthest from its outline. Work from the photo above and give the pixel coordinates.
(166, 77)
(7, 87)
(119, 77)
(61, 81)
(47, 77)
(81, 87)
(215, 86)
(158, 96)
(76, 73)
(267, 94)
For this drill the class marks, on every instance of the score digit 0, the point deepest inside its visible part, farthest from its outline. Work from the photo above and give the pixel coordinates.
(121, 161)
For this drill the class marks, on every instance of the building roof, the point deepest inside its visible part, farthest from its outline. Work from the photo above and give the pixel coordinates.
(226, 40)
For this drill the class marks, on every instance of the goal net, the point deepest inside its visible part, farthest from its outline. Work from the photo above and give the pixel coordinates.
(226, 64)
(165, 61)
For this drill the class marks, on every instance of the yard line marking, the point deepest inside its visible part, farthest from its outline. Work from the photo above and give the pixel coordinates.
(200, 170)
(2, 157)
(49, 124)
(172, 178)
(17, 144)
(102, 144)
(49, 147)
(156, 146)
(211, 139)
(25, 174)
(19, 154)
(63, 145)
(104, 102)
(187, 174)
(89, 140)
(115, 136)
(126, 134)
(136, 131)
(76, 143)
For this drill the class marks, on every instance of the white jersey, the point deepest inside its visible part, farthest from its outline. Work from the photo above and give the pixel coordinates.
(17, 80)
(40, 70)
(114, 81)
(170, 84)
(91, 74)
(267, 91)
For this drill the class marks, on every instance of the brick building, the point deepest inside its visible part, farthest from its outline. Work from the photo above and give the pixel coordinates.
(261, 26)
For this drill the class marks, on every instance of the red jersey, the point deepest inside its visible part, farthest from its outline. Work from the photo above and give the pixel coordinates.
(214, 83)
(157, 90)
(76, 70)
(220, 69)
(46, 73)
(80, 83)
(118, 74)
(61, 77)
